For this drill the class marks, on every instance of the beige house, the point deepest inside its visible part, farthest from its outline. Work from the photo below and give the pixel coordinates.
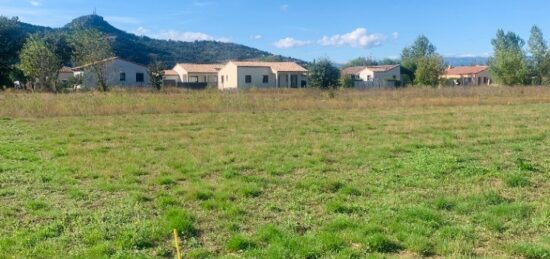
(118, 73)
(374, 76)
(198, 73)
(171, 78)
(65, 74)
(248, 74)
(468, 75)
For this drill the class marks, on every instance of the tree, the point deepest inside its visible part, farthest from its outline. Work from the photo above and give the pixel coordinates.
(411, 56)
(90, 47)
(39, 63)
(539, 51)
(156, 73)
(323, 74)
(361, 62)
(429, 70)
(11, 40)
(509, 64)
(346, 81)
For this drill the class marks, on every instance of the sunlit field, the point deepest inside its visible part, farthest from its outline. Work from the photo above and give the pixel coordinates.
(462, 172)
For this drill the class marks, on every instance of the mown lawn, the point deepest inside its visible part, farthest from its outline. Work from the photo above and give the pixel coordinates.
(399, 181)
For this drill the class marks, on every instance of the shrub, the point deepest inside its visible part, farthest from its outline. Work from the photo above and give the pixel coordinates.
(381, 244)
(181, 221)
(240, 243)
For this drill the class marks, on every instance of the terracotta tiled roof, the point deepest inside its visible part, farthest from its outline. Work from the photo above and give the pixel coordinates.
(201, 68)
(352, 70)
(170, 73)
(466, 70)
(275, 66)
(66, 70)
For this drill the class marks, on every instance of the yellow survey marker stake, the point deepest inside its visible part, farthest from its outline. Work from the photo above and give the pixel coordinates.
(177, 244)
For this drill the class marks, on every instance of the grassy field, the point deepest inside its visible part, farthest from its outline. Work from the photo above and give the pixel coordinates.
(276, 174)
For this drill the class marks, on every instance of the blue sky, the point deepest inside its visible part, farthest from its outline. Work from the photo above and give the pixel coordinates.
(307, 29)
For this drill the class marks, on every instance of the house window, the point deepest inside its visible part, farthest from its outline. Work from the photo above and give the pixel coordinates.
(122, 77)
(140, 78)
(369, 78)
(265, 80)
(193, 79)
(248, 79)
(394, 77)
(222, 79)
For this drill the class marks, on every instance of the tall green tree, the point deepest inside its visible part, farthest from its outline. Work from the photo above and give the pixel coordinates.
(156, 73)
(411, 56)
(11, 40)
(429, 70)
(421, 56)
(40, 64)
(324, 74)
(509, 63)
(90, 47)
(539, 52)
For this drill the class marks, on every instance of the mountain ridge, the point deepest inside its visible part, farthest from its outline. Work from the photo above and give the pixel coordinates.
(140, 49)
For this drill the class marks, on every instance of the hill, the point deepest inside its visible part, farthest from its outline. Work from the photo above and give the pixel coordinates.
(140, 48)
(466, 61)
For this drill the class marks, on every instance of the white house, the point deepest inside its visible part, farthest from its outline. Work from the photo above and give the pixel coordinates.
(248, 74)
(197, 73)
(374, 76)
(118, 73)
(468, 75)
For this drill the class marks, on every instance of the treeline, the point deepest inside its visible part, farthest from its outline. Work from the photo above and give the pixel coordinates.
(513, 63)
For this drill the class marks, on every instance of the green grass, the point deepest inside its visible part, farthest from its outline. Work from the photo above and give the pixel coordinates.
(448, 180)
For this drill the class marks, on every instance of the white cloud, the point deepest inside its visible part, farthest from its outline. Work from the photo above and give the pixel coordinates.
(256, 37)
(359, 38)
(141, 31)
(395, 35)
(288, 43)
(284, 8)
(35, 3)
(188, 36)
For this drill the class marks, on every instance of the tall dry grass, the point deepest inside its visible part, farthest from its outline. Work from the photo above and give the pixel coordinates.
(19, 104)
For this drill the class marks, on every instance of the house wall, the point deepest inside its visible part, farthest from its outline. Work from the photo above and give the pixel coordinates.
(65, 76)
(364, 75)
(285, 79)
(181, 72)
(202, 77)
(472, 79)
(257, 74)
(235, 77)
(113, 71)
(227, 77)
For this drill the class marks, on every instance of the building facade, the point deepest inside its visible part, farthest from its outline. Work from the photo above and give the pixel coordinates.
(118, 73)
(256, 74)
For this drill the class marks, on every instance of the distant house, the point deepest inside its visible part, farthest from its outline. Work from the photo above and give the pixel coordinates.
(374, 76)
(248, 74)
(119, 73)
(171, 78)
(65, 74)
(468, 75)
(197, 73)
